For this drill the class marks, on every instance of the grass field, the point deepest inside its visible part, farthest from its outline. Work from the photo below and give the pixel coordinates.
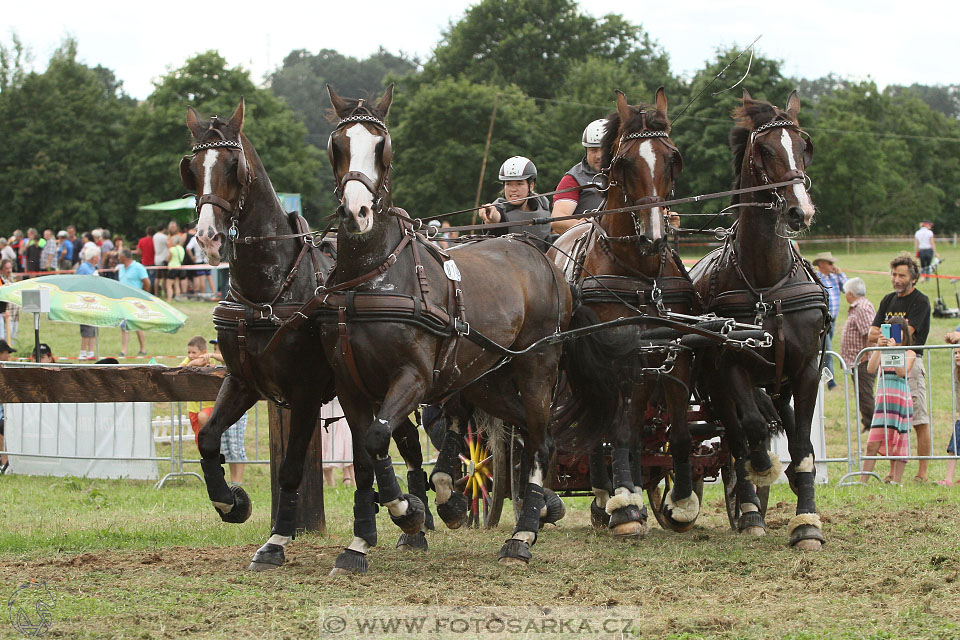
(122, 559)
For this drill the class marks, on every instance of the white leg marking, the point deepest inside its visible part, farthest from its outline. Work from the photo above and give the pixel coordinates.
(527, 536)
(397, 507)
(748, 507)
(363, 146)
(602, 496)
(443, 486)
(359, 544)
(276, 538)
(223, 507)
(806, 464)
(799, 190)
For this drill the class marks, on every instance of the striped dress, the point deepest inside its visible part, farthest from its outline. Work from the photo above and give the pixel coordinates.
(893, 415)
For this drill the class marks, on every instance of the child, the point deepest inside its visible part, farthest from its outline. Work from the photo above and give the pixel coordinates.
(893, 414)
(955, 438)
(199, 412)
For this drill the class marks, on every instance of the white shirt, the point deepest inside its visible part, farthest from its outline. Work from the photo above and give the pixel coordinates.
(199, 257)
(923, 236)
(161, 248)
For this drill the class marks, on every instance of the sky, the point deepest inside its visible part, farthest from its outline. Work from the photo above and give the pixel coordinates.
(141, 42)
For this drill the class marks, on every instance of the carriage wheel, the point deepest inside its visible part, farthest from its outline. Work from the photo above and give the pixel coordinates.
(484, 477)
(658, 494)
(729, 475)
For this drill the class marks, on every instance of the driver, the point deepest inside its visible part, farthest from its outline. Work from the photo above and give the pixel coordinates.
(582, 173)
(519, 176)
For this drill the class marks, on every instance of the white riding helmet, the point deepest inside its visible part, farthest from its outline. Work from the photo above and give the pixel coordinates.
(593, 134)
(518, 168)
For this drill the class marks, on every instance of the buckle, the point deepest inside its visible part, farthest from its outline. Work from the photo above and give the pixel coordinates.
(461, 331)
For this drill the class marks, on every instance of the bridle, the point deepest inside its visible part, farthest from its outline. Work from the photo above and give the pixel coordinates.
(778, 202)
(379, 189)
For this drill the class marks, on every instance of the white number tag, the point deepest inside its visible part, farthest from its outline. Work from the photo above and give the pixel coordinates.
(450, 268)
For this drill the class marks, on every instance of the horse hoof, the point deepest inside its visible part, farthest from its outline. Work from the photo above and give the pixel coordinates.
(416, 542)
(268, 557)
(628, 522)
(349, 562)
(413, 519)
(755, 532)
(599, 517)
(514, 553)
(629, 530)
(752, 524)
(242, 507)
(555, 508)
(807, 537)
(453, 512)
(808, 545)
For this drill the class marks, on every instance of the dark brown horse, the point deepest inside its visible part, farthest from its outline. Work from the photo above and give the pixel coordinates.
(274, 269)
(758, 276)
(629, 270)
(408, 326)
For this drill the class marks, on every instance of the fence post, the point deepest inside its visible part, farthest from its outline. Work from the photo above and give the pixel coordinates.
(310, 506)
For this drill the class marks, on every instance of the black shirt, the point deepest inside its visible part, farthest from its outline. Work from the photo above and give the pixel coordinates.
(914, 307)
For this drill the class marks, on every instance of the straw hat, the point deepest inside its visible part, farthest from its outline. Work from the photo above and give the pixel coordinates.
(825, 256)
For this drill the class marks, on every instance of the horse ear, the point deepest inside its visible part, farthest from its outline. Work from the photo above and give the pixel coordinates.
(383, 106)
(662, 101)
(746, 95)
(793, 104)
(236, 120)
(339, 106)
(623, 109)
(193, 123)
(186, 175)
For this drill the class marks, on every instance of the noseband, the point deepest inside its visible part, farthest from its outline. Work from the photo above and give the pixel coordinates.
(778, 203)
(381, 188)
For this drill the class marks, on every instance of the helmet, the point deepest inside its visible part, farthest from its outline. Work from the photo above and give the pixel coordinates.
(518, 168)
(593, 134)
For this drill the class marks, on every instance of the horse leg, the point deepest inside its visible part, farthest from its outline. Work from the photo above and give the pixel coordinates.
(303, 423)
(751, 521)
(233, 400)
(805, 528)
(681, 504)
(628, 515)
(353, 559)
(762, 466)
(407, 437)
(452, 505)
(601, 487)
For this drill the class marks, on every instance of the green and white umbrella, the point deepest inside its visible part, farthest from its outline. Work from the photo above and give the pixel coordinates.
(101, 302)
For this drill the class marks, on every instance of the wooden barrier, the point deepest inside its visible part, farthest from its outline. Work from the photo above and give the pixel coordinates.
(310, 514)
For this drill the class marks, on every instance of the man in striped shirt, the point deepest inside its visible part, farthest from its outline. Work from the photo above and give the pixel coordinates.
(854, 339)
(832, 279)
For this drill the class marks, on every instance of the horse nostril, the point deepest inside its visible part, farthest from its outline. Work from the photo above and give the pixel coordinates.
(363, 212)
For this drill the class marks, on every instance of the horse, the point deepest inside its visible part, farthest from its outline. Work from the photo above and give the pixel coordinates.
(758, 275)
(621, 265)
(270, 279)
(406, 323)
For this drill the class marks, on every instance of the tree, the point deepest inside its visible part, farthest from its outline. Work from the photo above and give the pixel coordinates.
(157, 136)
(62, 132)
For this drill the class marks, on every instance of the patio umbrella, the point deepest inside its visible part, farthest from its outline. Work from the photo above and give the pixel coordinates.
(101, 302)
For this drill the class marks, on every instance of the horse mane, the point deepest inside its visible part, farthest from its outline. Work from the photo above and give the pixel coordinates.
(656, 121)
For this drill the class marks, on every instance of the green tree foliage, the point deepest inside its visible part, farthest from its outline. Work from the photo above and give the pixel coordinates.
(439, 137)
(62, 160)
(157, 136)
(301, 81)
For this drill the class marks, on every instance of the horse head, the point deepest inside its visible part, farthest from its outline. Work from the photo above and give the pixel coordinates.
(769, 146)
(218, 171)
(642, 163)
(360, 153)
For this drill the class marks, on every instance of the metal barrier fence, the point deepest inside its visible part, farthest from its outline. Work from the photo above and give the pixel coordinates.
(931, 382)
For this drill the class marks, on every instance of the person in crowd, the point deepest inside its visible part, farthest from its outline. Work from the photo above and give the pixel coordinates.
(582, 173)
(75, 241)
(65, 252)
(146, 251)
(337, 445)
(925, 247)
(5, 352)
(890, 428)
(133, 274)
(106, 241)
(11, 315)
(174, 262)
(950, 476)
(232, 440)
(853, 340)
(17, 243)
(832, 279)
(519, 177)
(6, 251)
(48, 256)
(161, 253)
(46, 354)
(198, 412)
(202, 280)
(87, 241)
(906, 301)
(188, 234)
(30, 251)
(88, 333)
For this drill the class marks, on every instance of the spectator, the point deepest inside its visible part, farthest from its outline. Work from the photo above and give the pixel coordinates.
(161, 253)
(111, 257)
(337, 445)
(202, 280)
(6, 251)
(232, 440)
(65, 252)
(75, 241)
(30, 251)
(133, 274)
(925, 247)
(854, 340)
(11, 316)
(948, 478)
(46, 354)
(88, 333)
(87, 242)
(16, 242)
(145, 249)
(198, 412)
(906, 301)
(97, 235)
(832, 279)
(48, 256)
(106, 245)
(174, 262)
(5, 352)
(890, 429)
